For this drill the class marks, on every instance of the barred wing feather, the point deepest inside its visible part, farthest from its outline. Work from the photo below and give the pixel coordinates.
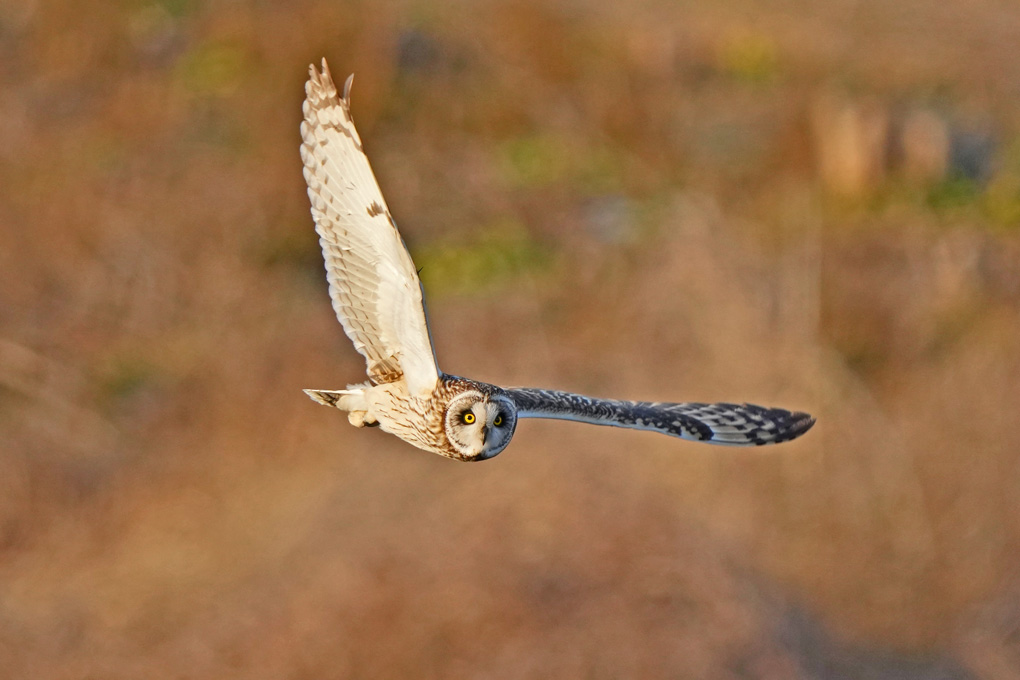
(728, 424)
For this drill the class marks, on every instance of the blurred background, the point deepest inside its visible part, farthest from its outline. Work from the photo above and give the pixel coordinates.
(813, 205)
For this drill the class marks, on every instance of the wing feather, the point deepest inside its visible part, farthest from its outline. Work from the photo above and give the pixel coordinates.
(375, 289)
(727, 424)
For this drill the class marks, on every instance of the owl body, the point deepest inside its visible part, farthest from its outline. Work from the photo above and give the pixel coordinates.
(378, 299)
(435, 422)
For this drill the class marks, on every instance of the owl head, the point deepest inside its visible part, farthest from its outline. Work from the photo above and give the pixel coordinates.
(478, 425)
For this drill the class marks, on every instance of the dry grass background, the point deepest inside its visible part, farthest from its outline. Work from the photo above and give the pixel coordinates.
(641, 186)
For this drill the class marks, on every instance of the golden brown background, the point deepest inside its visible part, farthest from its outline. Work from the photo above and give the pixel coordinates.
(807, 204)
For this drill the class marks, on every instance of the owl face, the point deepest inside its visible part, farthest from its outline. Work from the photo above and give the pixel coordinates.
(480, 426)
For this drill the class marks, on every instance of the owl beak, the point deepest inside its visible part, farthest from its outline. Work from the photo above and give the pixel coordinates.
(485, 434)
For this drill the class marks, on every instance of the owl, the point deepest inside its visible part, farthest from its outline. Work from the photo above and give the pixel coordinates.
(378, 299)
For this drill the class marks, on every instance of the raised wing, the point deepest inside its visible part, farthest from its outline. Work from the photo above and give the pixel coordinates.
(373, 283)
(728, 424)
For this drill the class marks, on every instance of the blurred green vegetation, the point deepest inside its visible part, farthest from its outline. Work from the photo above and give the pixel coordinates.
(216, 68)
(535, 160)
(750, 57)
(539, 160)
(487, 261)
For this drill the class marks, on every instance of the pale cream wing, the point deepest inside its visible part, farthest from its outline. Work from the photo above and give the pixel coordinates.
(372, 281)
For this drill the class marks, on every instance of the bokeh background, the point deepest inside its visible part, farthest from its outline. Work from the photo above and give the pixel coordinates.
(806, 204)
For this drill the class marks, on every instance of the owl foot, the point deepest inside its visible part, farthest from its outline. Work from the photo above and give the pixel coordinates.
(361, 419)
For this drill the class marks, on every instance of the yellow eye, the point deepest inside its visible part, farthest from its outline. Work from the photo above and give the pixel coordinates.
(469, 418)
(497, 421)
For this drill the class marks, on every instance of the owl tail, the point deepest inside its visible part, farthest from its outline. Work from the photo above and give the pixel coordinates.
(352, 401)
(345, 400)
(329, 397)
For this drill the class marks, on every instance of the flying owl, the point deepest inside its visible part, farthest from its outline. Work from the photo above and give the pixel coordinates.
(378, 298)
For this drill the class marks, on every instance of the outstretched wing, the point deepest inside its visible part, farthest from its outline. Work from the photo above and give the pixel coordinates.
(729, 424)
(373, 283)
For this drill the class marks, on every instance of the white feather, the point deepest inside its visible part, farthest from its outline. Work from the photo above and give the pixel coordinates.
(372, 281)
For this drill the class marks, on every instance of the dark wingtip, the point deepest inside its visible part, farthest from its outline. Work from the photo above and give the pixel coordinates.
(797, 424)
